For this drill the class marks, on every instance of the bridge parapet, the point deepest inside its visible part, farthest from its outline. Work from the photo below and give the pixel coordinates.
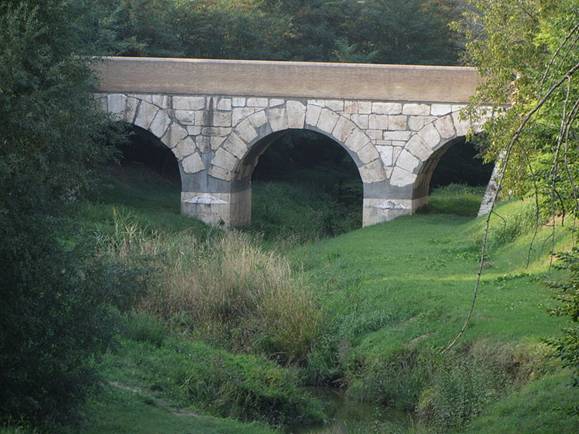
(218, 127)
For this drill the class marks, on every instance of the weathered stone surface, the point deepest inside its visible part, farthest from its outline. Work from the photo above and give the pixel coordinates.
(246, 131)
(378, 122)
(215, 131)
(440, 109)
(407, 161)
(397, 123)
(356, 140)
(174, 134)
(430, 136)
(343, 129)
(117, 103)
(194, 130)
(363, 121)
(224, 159)
(235, 146)
(372, 172)
(386, 155)
(396, 135)
(257, 102)
(224, 104)
(418, 148)
(145, 114)
(277, 119)
(216, 142)
(274, 102)
(387, 108)
(240, 113)
(238, 101)
(313, 114)
(132, 104)
(258, 119)
(368, 153)
(185, 147)
(327, 120)
(221, 119)
(189, 102)
(193, 164)
(375, 134)
(445, 127)
(357, 107)
(401, 177)
(416, 109)
(416, 123)
(462, 126)
(186, 117)
(220, 173)
(160, 124)
(332, 104)
(296, 114)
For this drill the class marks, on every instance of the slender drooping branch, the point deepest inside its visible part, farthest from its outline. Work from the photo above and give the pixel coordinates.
(508, 152)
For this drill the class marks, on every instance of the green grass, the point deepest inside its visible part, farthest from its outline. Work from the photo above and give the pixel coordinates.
(389, 293)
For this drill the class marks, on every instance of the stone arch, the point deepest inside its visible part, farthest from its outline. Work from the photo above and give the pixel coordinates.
(416, 162)
(231, 160)
(153, 114)
(236, 157)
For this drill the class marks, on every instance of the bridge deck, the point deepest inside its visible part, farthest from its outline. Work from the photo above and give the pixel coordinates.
(287, 79)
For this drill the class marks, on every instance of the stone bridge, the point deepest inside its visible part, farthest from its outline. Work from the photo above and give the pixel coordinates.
(219, 116)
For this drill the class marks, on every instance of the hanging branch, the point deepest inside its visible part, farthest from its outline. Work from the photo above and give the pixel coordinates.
(514, 139)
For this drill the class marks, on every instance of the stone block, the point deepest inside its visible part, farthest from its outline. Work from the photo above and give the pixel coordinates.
(378, 122)
(274, 102)
(160, 124)
(131, 109)
(145, 114)
(396, 135)
(220, 173)
(194, 130)
(328, 120)
(387, 108)
(241, 113)
(397, 123)
(277, 119)
(445, 127)
(416, 123)
(401, 177)
(216, 142)
(363, 121)
(117, 103)
(258, 119)
(430, 136)
(215, 131)
(235, 146)
(224, 104)
(193, 163)
(407, 161)
(372, 172)
(238, 101)
(418, 148)
(224, 159)
(189, 102)
(296, 114)
(257, 102)
(246, 131)
(386, 154)
(374, 134)
(368, 153)
(186, 117)
(356, 140)
(175, 133)
(440, 109)
(313, 114)
(221, 119)
(184, 148)
(416, 109)
(343, 129)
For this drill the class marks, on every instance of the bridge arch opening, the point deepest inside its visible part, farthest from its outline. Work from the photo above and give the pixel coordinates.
(146, 165)
(454, 178)
(303, 182)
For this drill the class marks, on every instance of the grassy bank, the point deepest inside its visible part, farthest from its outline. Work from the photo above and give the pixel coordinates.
(385, 300)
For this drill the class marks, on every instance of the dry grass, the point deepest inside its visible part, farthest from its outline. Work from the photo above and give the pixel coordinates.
(227, 289)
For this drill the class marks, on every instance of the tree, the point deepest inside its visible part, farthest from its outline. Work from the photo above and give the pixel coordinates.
(52, 296)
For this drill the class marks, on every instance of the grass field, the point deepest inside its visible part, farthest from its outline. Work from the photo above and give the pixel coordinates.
(391, 296)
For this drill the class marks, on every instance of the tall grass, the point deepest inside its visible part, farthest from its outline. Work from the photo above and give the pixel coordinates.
(225, 289)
